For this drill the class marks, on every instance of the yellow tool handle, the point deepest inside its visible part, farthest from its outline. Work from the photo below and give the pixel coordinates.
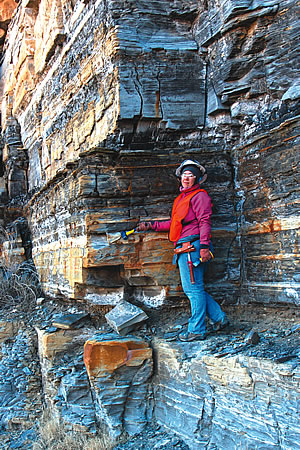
(212, 256)
(129, 232)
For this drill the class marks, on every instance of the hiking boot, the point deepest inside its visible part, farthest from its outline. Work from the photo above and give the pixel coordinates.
(186, 336)
(221, 324)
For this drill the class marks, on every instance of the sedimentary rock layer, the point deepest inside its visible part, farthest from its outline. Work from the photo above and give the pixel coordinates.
(101, 101)
(226, 402)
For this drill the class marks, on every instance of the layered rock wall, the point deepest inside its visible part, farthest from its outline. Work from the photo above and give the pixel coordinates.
(253, 80)
(226, 402)
(102, 100)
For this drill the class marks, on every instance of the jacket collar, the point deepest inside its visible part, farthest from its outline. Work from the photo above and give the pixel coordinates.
(191, 189)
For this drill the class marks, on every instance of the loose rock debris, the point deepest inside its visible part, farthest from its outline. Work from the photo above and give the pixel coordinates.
(271, 333)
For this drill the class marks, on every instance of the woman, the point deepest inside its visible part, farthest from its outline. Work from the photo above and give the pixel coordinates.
(189, 229)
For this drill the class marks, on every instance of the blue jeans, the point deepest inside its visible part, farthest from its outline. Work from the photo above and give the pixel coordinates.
(202, 303)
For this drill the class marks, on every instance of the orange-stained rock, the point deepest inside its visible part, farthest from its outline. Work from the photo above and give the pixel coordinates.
(119, 371)
(7, 8)
(49, 32)
(101, 357)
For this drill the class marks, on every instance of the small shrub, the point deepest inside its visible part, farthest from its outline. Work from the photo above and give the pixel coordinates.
(19, 283)
(19, 289)
(53, 436)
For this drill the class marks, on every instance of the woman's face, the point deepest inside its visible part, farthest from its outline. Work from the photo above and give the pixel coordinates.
(187, 179)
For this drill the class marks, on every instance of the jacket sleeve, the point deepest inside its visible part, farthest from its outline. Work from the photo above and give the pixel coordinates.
(164, 225)
(201, 204)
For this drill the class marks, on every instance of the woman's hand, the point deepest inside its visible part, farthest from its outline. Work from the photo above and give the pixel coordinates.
(205, 254)
(144, 226)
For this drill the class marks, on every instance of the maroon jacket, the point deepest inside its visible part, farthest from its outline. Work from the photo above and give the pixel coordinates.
(197, 220)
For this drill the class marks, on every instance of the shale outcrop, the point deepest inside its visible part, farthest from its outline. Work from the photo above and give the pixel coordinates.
(100, 102)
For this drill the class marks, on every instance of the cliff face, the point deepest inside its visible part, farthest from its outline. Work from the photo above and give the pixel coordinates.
(101, 100)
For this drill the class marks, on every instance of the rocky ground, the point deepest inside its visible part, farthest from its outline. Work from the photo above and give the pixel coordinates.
(256, 331)
(154, 437)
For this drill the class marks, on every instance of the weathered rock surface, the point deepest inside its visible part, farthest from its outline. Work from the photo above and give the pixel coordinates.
(97, 112)
(226, 399)
(70, 321)
(119, 371)
(6, 12)
(100, 101)
(86, 378)
(125, 317)
(21, 398)
(65, 381)
(223, 392)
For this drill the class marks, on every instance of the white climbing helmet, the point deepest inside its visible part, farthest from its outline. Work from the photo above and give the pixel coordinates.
(191, 162)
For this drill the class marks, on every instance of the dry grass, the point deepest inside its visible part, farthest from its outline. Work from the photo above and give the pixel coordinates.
(53, 436)
(19, 283)
(19, 289)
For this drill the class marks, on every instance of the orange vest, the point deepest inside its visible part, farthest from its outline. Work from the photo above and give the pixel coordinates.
(179, 211)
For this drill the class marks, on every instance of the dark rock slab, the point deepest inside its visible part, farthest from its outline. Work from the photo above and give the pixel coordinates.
(69, 321)
(252, 337)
